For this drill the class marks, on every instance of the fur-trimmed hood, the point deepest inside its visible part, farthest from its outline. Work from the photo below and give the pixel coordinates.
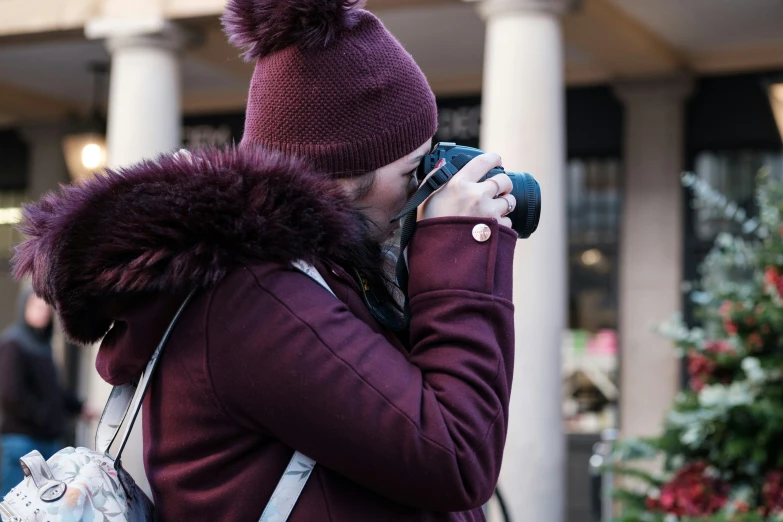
(174, 224)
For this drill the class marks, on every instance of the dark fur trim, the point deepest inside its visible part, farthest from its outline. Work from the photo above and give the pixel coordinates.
(262, 27)
(173, 224)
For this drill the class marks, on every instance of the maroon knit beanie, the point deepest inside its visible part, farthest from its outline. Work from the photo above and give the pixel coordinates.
(331, 84)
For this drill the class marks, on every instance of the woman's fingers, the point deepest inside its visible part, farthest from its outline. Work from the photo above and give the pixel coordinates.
(506, 222)
(466, 195)
(504, 205)
(497, 185)
(478, 167)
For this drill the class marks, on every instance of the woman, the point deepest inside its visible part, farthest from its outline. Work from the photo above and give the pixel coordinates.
(404, 425)
(34, 406)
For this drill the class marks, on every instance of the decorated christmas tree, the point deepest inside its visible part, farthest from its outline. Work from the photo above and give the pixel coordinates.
(721, 446)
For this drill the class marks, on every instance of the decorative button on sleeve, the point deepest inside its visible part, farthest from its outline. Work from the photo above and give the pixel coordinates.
(481, 232)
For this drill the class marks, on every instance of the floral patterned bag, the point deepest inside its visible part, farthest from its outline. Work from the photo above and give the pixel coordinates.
(82, 485)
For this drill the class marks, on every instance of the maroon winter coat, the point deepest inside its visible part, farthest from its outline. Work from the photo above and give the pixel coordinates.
(264, 360)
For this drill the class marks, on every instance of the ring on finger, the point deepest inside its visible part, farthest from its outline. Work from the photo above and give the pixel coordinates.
(511, 204)
(497, 185)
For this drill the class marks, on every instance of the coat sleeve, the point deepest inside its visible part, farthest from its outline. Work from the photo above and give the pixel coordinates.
(425, 429)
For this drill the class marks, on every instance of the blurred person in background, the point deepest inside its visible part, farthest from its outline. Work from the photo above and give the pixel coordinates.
(34, 406)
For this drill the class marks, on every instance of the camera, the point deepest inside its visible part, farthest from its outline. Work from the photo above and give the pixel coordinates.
(524, 218)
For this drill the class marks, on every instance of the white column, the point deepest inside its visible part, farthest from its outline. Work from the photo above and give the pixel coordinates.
(651, 257)
(523, 120)
(144, 120)
(144, 94)
(776, 100)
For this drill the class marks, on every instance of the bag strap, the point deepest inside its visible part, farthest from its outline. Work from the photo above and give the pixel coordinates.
(113, 414)
(310, 271)
(300, 467)
(128, 398)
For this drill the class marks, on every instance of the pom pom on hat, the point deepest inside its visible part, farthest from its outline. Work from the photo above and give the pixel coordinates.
(331, 86)
(262, 27)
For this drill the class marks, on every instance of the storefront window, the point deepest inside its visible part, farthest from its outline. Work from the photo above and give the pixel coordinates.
(590, 362)
(733, 175)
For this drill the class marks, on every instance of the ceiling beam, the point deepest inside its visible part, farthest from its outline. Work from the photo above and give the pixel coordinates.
(578, 74)
(617, 44)
(215, 50)
(19, 104)
(19, 17)
(192, 9)
(379, 5)
(737, 59)
(217, 101)
(469, 84)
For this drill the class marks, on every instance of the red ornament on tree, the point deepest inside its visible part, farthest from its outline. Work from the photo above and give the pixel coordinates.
(773, 491)
(692, 493)
(772, 278)
(721, 346)
(700, 369)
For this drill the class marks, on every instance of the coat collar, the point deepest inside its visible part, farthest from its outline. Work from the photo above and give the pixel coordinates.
(174, 224)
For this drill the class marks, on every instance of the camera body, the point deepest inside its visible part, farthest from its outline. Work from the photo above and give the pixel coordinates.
(526, 190)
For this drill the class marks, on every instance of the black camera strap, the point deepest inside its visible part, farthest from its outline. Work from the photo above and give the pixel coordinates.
(408, 228)
(433, 183)
(409, 216)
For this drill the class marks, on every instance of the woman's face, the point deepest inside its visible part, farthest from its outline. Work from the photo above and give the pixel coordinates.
(392, 187)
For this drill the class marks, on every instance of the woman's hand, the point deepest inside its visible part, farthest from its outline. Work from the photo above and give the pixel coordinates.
(464, 195)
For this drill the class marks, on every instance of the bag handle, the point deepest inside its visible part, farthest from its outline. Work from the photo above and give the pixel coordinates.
(310, 271)
(112, 417)
(128, 398)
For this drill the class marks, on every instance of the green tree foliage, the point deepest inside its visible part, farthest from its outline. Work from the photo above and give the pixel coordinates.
(722, 442)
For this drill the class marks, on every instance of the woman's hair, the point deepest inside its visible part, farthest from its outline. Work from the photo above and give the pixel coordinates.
(373, 260)
(365, 185)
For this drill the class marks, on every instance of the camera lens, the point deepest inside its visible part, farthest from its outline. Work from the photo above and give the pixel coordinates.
(527, 192)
